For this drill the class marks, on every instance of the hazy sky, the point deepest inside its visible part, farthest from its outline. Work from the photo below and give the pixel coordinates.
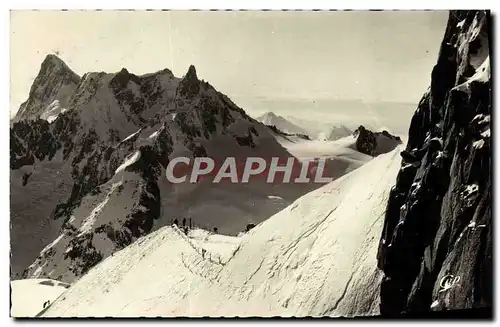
(372, 56)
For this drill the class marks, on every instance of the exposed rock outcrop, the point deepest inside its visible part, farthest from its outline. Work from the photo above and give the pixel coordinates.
(375, 143)
(436, 246)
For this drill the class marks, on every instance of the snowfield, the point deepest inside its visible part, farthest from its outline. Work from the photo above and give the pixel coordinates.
(316, 257)
(341, 155)
(29, 295)
(341, 148)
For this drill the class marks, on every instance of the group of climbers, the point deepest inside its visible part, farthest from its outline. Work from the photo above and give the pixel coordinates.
(185, 228)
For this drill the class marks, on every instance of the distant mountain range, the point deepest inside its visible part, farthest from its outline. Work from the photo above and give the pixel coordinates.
(315, 130)
(281, 123)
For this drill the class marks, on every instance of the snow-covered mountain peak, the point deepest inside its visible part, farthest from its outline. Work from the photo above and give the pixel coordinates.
(282, 124)
(120, 123)
(55, 81)
(338, 132)
(269, 115)
(108, 148)
(267, 118)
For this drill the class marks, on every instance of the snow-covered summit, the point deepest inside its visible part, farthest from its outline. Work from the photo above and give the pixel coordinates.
(54, 82)
(338, 132)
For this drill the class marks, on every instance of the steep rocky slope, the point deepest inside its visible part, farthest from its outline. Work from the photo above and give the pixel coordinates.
(436, 247)
(290, 136)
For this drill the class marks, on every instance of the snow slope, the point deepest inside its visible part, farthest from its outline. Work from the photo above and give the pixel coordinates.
(29, 295)
(316, 257)
(316, 148)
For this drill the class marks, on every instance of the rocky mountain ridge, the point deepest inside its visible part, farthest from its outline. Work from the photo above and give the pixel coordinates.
(101, 155)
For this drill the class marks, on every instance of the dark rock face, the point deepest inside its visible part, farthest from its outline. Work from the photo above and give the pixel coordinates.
(140, 222)
(81, 248)
(124, 95)
(366, 142)
(37, 139)
(436, 245)
(375, 143)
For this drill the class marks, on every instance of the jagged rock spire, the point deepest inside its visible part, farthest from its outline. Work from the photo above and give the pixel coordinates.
(190, 84)
(191, 73)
